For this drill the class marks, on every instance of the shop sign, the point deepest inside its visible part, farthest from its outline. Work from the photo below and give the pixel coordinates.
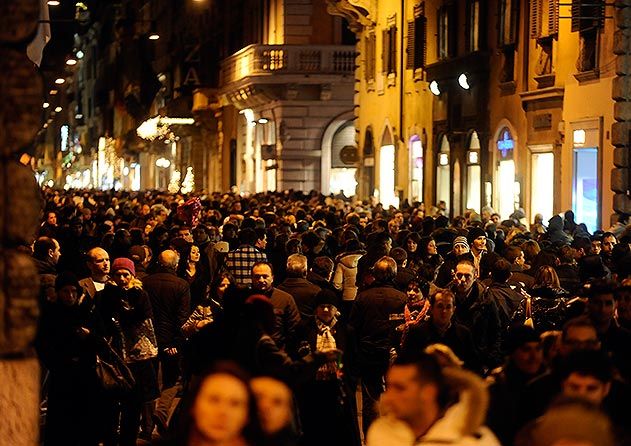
(505, 144)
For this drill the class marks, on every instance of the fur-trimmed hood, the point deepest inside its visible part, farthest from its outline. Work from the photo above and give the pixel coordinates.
(461, 424)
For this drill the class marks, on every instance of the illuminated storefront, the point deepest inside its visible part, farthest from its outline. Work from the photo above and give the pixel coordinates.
(416, 168)
(506, 186)
(443, 174)
(474, 173)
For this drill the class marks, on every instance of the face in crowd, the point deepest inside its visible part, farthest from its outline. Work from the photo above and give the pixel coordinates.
(262, 278)
(580, 337)
(528, 357)
(325, 312)
(220, 411)
(274, 403)
(608, 243)
(464, 277)
(443, 309)
(479, 243)
(406, 394)
(99, 263)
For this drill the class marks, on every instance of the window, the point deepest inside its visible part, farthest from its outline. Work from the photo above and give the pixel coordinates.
(443, 177)
(542, 184)
(588, 51)
(507, 27)
(417, 39)
(389, 50)
(370, 42)
(443, 33)
(474, 173)
(473, 26)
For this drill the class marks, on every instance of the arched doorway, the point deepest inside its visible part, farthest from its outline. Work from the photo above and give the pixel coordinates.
(505, 175)
(335, 173)
(369, 162)
(416, 168)
(387, 181)
(474, 172)
(443, 174)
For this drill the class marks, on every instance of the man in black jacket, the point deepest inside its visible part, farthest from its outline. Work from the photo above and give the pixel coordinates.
(170, 300)
(372, 322)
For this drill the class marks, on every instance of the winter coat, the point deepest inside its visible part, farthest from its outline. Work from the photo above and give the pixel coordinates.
(346, 274)
(170, 301)
(371, 320)
(461, 424)
(127, 313)
(303, 292)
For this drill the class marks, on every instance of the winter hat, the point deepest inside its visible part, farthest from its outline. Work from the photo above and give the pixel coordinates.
(66, 278)
(327, 297)
(475, 233)
(520, 335)
(123, 263)
(461, 240)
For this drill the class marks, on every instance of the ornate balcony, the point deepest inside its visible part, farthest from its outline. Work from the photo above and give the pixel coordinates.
(278, 64)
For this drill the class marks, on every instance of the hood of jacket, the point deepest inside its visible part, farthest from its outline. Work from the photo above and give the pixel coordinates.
(464, 420)
(555, 224)
(350, 259)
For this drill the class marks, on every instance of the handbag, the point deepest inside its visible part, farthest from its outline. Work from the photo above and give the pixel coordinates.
(112, 373)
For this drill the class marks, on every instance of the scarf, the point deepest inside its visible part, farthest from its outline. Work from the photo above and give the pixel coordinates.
(413, 318)
(326, 341)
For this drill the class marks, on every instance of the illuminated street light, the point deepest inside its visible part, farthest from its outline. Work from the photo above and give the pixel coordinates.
(45, 105)
(158, 126)
(58, 109)
(163, 162)
(60, 80)
(71, 61)
(463, 81)
(80, 54)
(53, 2)
(433, 87)
(263, 121)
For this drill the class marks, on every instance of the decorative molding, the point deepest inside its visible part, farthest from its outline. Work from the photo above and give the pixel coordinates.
(357, 12)
(585, 76)
(545, 80)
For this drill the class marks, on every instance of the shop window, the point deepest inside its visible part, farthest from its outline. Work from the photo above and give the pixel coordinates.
(417, 39)
(370, 42)
(473, 26)
(474, 173)
(443, 174)
(506, 192)
(542, 185)
(386, 176)
(585, 187)
(416, 165)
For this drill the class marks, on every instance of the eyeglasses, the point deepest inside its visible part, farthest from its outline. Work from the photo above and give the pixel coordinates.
(464, 276)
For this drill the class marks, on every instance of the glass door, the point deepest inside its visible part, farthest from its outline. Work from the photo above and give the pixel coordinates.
(585, 187)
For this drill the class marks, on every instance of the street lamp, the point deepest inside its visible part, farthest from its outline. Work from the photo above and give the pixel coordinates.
(433, 87)
(463, 81)
(60, 81)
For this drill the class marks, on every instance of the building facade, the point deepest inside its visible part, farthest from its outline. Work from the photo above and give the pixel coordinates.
(486, 103)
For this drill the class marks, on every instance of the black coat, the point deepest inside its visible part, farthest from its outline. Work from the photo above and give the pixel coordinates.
(304, 294)
(372, 325)
(457, 337)
(170, 299)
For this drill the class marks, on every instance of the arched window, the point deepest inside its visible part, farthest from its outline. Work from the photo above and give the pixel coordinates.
(474, 172)
(443, 174)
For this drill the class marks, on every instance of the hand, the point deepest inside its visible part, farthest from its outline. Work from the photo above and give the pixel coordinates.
(171, 351)
(202, 324)
(329, 355)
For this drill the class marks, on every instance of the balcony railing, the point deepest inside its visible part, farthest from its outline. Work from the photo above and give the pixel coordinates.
(265, 60)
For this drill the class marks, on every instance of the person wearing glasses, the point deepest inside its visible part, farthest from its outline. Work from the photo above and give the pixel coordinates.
(477, 310)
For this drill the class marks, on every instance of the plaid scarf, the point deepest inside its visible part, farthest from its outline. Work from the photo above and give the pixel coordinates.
(326, 341)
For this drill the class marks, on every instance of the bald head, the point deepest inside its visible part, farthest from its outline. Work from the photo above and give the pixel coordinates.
(169, 259)
(98, 264)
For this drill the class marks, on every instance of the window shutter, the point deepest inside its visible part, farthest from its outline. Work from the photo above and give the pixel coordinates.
(576, 13)
(411, 44)
(500, 23)
(385, 47)
(420, 42)
(553, 17)
(468, 25)
(535, 19)
(393, 50)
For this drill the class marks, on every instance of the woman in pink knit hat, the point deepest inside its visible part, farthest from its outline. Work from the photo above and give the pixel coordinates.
(125, 312)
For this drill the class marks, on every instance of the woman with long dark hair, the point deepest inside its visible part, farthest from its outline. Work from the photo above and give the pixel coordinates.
(191, 270)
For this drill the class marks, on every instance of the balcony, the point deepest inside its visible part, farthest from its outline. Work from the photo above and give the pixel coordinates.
(277, 64)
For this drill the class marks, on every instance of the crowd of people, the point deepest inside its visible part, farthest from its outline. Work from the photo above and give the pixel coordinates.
(299, 319)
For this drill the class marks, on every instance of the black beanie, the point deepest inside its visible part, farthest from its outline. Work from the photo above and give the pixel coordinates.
(475, 233)
(520, 335)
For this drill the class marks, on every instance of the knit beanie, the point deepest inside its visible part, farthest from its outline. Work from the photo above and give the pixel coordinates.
(461, 240)
(475, 233)
(123, 263)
